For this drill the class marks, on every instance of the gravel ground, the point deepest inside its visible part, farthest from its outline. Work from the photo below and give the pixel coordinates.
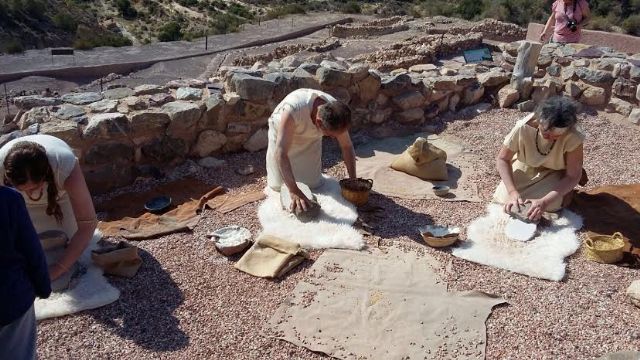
(188, 301)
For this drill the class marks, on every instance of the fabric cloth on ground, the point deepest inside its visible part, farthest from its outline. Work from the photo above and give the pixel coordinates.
(305, 153)
(88, 290)
(389, 304)
(375, 159)
(332, 229)
(424, 160)
(18, 339)
(610, 209)
(271, 257)
(541, 257)
(146, 226)
(534, 174)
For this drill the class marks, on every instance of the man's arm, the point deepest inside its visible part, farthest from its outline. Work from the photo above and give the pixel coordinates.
(283, 143)
(348, 153)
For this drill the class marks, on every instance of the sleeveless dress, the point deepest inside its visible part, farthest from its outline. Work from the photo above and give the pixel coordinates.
(535, 175)
(305, 153)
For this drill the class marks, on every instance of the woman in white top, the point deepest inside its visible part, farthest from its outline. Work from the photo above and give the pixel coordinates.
(46, 171)
(296, 128)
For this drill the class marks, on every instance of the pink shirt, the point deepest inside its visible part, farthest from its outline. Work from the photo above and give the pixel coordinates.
(561, 33)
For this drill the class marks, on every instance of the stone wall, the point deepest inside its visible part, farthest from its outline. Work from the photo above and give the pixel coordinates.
(124, 133)
(490, 29)
(373, 28)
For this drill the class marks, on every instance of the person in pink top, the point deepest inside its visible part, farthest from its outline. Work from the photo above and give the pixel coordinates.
(567, 18)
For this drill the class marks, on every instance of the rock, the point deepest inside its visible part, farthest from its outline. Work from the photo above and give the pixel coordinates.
(36, 115)
(565, 51)
(252, 88)
(507, 96)
(245, 170)
(619, 106)
(412, 116)
(593, 96)
(67, 111)
(118, 93)
(445, 71)
(290, 61)
(32, 101)
(527, 89)
(554, 70)
(568, 73)
(633, 291)
(634, 117)
(581, 63)
(438, 95)
(148, 123)
(212, 118)
(211, 162)
(544, 61)
(81, 98)
(258, 141)
(358, 72)
(329, 77)
(304, 216)
(493, 78)
(454, 100)
(188, 93)
(108, 177)
(231, 98)
(183, 115)
(106, 126)
(164, 150)
(259, 65)
(634, 73)
(473, 94)
(624, 88)
(288, 82)
(594, 77)
(104, 106)
(134, 103)
(395, 85)
(332, 65)
(399, 71)
(107, 153)
(609, 64)
(422, 67)
(149, 90)
(638, 93)
(5, 138)
(274, 66)
(526, 106)
(341, 94)
(382, 100)
(208, 142)
(379, 117)
(195, 83)
(409, 100)
(541, 92)
(368, 87)
(511, 48)
(66, 130)
(573, 89)
(309, 67)
(32, 129)
(446, 83)
(622, 70)
(157, 100)
(237, 128)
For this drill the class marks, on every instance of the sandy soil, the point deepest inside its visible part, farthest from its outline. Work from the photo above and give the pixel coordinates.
(188, 301)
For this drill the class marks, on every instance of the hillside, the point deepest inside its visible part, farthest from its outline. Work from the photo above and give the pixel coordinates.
(26, 24)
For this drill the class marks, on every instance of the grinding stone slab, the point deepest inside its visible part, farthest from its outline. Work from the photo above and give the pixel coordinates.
(304, 216)
(520, 230)
(521, 214)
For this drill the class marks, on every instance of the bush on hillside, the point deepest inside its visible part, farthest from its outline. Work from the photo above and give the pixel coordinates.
(13, 46)
(65, 22)
(126, 10)
(632, 25)
(170, 32)
(284, 10)
(87, 38)
(225, 23)
(352, 7)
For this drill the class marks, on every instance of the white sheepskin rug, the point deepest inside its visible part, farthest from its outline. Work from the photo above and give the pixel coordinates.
(541, 257)
(332, 229)
(88, 291)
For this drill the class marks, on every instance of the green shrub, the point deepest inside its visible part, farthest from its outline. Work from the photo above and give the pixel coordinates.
(632, 25)
(225, 23)
(87, 38)
(285, 10)
(170, 32)
(352, 7)
(65, 22)
(599, 23)
(13, 46)
(126, 10)
(188, 2)
(239, 10)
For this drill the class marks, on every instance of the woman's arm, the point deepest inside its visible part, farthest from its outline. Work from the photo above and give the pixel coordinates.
(571, 178)
(283, 143)
(551, 22)
(85, 216)
(348, 153)
(503, 164)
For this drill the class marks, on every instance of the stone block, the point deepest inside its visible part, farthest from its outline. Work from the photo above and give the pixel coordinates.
(258, 141)
(619, 106)
(81, 98)
(593, 96)
(507, 96)
(118, 93)
(108, 153)
(208, 142)
(188, 94)
(409, 100)
(411, 116)
(330, 78)
(149, 90)
(106, 126)
(252, 88)
(32, 101)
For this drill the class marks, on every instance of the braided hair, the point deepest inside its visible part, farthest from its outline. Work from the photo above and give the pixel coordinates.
(27, 161)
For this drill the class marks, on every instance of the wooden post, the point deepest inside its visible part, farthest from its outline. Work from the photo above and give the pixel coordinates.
(206, 41)
(526, 63)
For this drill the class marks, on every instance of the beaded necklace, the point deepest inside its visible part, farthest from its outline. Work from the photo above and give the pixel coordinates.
(538, 147)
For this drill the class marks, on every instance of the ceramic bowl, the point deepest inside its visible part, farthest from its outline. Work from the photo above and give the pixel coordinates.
(158, 204)
(440, 190)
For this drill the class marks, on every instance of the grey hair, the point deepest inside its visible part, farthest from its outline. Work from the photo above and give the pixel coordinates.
(557, 112)
(335, 115)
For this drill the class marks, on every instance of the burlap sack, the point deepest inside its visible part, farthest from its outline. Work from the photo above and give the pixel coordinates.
(121, 260)
(271, 257)
(423, 160)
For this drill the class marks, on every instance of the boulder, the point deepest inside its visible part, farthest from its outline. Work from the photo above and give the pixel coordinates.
(594, 96)
(252, 88)
(66, 130)
(619, 106)
(333, 65)
(409, 100)
(568, 73)
(183, 115)
(195, 83)
(68, 111)
(258, 141)
(164, 150)
(32, 101)
(107, 153)
(107, 177)
(36, 115)
(309, 67)
(290, 61)
(446, 83)
(581, 63)
(624, 88)
(208, 142)
(554, 70)
(422, 67)
(5, 138)
(594, 77)
(135, 103)
(634, 117)
(411, 116)
(188, 93)
(395, 85)
(573, 89)
(526, 106)
(211, 162)
(493, 78)
(507, 96)
(340, 94)
(213, 118)
(381, 116)
(238, 129)
(633, 292)
(149, 90)
(149, 122)
(117, 93)
(453, 102)
(157, 100)
(473, 94)
(104, 106)
(634, 73)
(368, 87)
(544, 61)
(330, 77)
(609, 64)
(288, 82)
(358, 72)
(106, 126)
(81, 98)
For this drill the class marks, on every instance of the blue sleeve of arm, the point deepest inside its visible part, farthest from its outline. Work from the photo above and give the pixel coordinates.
(29, 245)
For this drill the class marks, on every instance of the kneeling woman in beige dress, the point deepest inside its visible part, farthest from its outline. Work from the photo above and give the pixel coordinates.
(541, 159)
(46, 172)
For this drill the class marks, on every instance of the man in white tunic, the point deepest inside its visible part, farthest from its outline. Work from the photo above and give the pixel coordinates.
(296, 128)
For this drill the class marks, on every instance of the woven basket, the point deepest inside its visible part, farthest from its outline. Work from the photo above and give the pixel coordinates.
(359, 196)
(612, 252)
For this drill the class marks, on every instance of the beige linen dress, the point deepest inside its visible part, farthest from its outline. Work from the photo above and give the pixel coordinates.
(305, 153)
(534, 174)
